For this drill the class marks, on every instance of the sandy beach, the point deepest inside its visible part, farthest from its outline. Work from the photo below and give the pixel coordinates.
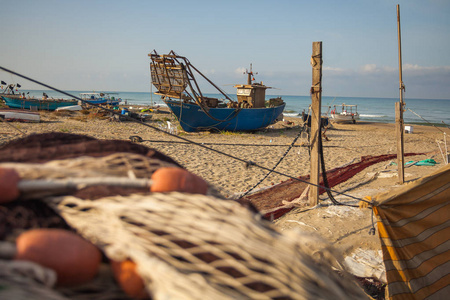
(345, 227)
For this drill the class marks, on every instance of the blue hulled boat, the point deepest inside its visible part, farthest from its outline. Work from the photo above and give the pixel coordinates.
(100, 98)
(193, 118)
(173, 76)
(21, 102)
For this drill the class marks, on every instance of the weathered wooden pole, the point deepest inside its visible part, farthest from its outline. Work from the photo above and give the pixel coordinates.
(316, 102)
(399, 125)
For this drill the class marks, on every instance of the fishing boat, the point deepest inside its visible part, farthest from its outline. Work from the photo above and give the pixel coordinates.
(100, 98)
(70, 108)
(32, 103)
(16, 115)
(348, 114)
(173, 76)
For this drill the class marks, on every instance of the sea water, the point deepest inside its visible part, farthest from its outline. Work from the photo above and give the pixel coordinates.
(417, 111)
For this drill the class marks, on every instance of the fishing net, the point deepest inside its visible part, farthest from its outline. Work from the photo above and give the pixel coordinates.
(279, 199)
(185, 246)
(193, 246)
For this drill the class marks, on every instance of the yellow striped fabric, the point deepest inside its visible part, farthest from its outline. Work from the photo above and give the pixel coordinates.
(414, 228)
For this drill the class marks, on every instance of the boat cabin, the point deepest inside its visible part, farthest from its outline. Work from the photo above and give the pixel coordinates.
(251, 95)
(91, 96)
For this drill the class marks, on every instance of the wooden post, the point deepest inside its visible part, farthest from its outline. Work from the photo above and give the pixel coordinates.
(316, 102)
(400, 128)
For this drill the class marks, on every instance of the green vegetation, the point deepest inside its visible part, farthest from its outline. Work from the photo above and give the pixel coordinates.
(231, 132)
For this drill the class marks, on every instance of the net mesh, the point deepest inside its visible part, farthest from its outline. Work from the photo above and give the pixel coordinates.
(185, 246)
(193, 246)
(118, 164)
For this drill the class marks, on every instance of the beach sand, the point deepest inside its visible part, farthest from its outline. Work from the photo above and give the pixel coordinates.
(345, 227)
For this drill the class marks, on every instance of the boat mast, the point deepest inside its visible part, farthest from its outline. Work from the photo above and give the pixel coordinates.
(250, 75)
(402, 86)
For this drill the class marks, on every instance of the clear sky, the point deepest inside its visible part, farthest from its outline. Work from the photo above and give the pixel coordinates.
(103, 45)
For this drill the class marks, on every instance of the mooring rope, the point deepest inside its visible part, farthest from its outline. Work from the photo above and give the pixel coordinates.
(136, 138)
(246, 162)
(274, 167)
(324, 173)
(426, 120)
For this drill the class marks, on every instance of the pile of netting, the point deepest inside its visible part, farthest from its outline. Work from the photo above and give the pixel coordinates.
(281, 198)
(184, 246)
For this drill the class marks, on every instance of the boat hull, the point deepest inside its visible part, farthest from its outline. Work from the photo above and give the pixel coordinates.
(103, 102)
(36, 104)
(338, 118)
(71, 108)
(19, 115)
(192, 118)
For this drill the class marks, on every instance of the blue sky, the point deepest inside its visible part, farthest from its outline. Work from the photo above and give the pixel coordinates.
(103, 45)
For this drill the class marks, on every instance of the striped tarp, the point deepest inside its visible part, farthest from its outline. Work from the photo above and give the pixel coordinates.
(414, 228)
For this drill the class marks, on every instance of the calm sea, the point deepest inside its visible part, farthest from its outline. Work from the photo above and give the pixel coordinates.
(426, 111)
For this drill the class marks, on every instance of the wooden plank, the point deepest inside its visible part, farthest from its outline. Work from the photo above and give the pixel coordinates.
(316, 103)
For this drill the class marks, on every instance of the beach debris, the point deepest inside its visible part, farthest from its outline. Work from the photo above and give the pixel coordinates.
(366, 263)
(167, 126)
(340, 211)
(136, 139)
(301, 223)
(444, 149)
(426, 162)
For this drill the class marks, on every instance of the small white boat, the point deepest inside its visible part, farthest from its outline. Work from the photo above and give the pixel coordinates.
(72, 107)
(348, 114)
(19, 115)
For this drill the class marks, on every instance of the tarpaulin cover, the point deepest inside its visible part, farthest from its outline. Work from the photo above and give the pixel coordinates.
(414, 228)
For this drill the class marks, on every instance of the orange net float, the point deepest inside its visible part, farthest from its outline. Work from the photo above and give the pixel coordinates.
(74, 259)
(172, 179)
(9, 179)
(128, 278)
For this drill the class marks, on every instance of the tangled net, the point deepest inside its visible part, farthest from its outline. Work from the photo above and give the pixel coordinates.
(185, 246)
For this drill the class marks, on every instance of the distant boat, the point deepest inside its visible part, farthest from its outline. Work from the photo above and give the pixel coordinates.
(100, 98)
(348, 114)
(72, 108)
(19, 115)
(32, 103)
(173, 74)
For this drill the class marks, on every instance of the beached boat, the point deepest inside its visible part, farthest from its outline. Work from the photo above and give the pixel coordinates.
(100, 98)
(172, 75)
(32, 103)
(348, 114)
(71, 108)
(16, 115)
